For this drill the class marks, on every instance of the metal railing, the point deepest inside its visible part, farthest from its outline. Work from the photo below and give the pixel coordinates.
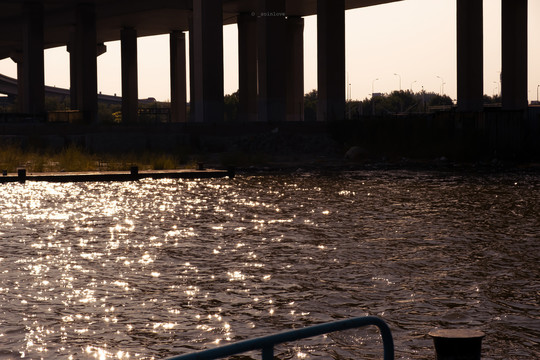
(266, 343)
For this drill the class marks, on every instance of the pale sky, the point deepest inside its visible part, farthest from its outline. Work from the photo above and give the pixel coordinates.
(413, 38)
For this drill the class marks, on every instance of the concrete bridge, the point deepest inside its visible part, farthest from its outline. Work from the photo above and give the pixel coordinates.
(10, 87)
(270, 35)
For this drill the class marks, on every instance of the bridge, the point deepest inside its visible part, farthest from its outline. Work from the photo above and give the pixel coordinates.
(10, 87)
(270, 52)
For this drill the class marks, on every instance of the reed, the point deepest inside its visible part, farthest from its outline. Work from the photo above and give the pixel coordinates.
(75, 159)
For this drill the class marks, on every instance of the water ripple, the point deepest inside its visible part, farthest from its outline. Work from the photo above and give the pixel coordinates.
(151, 269)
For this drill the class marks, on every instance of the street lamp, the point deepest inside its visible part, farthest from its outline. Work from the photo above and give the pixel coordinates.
(348, 88)
(412, 85)
(399, 80)
(537, 87)
(442, 85)
(372, 96)
(372, 86)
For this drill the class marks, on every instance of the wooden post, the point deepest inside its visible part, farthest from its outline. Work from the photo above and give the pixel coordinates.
(21, 174)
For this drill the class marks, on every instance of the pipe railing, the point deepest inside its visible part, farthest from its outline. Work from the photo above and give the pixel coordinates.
(266, 343)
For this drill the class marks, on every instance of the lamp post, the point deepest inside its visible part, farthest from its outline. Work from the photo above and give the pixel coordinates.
(537, 87)
(399, 80)
(442, 85)
(412, 85)
(372, 86)
(372, 96)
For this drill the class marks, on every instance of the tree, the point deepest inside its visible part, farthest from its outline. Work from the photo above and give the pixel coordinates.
(230, 106)
(495, 99)
(440, 100)
(310, 105)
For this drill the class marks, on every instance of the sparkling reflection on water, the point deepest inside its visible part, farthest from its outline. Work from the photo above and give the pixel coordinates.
(151, 269)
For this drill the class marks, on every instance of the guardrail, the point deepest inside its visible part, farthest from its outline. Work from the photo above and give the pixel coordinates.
(266, 343)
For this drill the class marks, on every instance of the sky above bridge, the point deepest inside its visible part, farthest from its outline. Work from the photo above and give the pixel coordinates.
(415, 39)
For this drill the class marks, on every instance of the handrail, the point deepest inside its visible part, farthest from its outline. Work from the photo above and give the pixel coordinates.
(266, 343)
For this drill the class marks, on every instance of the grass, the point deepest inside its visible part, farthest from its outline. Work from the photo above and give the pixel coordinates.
(73, 158)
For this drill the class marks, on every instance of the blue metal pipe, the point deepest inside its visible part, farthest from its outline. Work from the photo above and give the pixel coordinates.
(267, 343)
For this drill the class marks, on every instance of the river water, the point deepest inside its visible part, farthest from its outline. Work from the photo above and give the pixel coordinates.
(156, 268)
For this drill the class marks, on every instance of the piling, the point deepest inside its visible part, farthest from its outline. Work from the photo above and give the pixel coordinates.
(457, 344)
(134, 170)
(231, 172)
(21, 175)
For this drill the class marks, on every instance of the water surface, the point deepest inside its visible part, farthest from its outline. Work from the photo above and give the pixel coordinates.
(155, 268)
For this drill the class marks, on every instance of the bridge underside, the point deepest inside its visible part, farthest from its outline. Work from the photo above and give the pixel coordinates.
(148, 17)
(270, 52)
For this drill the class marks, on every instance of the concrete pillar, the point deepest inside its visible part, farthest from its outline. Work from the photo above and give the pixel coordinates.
(247, 67)
(331, 59)
(130, 90)
(191, 72)
(32, 96)
(271, 28)
(17, 57)
(295, 69)
(86, 61)
(208, 60)
(514, 55)
(20, 87)
(178, 76)
(470, 59)
(71, 48)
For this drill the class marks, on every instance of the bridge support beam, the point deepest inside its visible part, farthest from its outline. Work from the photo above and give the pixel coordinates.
(295, 68)
(331, 59)
(178, 76)
(208, 60)
(85, 59)
(514, 55)
(32, 74)
(470, 59)
(272, 60)
(247, 67)
(130, 91)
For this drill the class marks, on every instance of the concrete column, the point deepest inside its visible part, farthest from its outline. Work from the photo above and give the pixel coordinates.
(178, 76)
(86, 61)
(247, 67)
(130, 90)
(470, 59)
(331, 59)
(514, 55)
(208, 60)
(191, 72)
(271, 28)
(73, 87)
(32, 96)
(295, 69)
(17, 57)
(71, 48)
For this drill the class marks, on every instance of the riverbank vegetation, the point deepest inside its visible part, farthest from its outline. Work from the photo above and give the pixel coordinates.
(73, 158)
